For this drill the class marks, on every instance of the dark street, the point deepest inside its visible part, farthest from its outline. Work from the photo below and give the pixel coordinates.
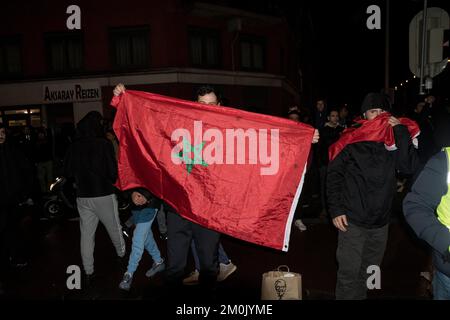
(55, 246)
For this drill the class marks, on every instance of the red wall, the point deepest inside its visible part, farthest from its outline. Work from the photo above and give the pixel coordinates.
(168, 38)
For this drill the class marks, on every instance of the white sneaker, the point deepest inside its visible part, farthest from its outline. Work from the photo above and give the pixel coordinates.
(225, 270)
(299, 224)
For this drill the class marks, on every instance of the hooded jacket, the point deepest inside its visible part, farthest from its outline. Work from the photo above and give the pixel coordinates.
(90, 160)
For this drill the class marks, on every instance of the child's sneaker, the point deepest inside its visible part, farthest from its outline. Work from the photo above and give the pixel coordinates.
(125, 284)
(156, 267)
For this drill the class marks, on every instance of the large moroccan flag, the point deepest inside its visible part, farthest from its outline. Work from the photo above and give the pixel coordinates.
(233, 171)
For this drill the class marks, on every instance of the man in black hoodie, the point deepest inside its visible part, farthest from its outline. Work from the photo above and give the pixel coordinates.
(361, 184)
(91, 161)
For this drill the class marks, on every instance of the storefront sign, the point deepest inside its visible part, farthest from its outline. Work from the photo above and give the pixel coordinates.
(73, 92)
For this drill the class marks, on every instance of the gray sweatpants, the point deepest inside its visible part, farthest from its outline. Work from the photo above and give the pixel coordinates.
(358, 248)
(93, 210)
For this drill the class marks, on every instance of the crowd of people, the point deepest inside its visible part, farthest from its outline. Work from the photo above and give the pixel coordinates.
(356, 189)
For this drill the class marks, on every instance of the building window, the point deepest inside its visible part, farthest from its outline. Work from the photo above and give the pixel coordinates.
(130, 47)
(204, 48)
(252, 53)
(64, 52)
(10, 57)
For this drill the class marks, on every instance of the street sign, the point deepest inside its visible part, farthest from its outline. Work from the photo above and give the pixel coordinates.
(437, 22)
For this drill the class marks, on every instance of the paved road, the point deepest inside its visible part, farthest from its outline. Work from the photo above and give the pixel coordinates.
(55, 246)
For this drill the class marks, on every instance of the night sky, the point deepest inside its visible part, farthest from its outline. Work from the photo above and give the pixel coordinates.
(341, 59)
(350, 57)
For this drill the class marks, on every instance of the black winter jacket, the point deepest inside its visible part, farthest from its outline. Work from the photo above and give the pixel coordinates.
(361, 180)
(90, 160)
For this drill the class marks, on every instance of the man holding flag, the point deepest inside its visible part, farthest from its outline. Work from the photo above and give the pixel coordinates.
(220, 168)
(361, 184)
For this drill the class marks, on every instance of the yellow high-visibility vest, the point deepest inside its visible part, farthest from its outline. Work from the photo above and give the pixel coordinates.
(443, 209)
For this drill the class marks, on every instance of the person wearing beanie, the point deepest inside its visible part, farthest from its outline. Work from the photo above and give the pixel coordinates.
(375, 101)
(361, 184)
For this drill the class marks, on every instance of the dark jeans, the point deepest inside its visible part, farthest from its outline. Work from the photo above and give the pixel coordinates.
(180, 234)
(358, 248)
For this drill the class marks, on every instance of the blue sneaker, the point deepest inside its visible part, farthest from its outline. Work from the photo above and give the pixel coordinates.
(125, 284)
(156, 267)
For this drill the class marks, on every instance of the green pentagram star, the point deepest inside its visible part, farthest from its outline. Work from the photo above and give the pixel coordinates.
(184, 155)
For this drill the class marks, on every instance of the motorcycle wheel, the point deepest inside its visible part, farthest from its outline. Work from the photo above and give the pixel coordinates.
(53, 210)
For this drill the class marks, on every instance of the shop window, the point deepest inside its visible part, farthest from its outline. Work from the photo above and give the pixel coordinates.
(19, 111)
(17, 123)
(35, 121)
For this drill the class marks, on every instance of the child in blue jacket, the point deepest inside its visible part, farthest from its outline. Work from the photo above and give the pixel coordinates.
(144, 210)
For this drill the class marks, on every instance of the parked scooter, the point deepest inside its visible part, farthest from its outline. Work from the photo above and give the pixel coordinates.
(61, 202)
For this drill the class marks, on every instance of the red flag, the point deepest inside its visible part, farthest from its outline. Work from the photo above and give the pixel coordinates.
(378, 130)
(236, 172)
